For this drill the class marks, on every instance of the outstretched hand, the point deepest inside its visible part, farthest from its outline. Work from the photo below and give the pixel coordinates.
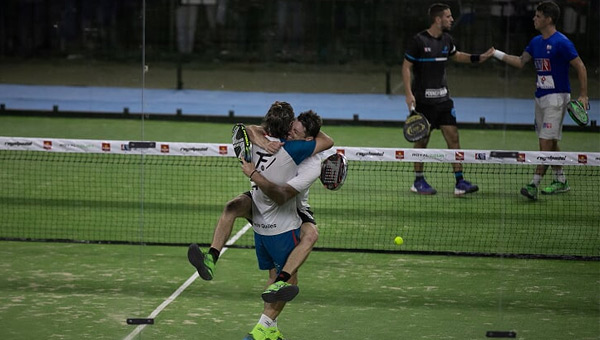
(486, 55)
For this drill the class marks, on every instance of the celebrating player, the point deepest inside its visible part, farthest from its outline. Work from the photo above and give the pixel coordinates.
(426, 57)
(552, 53)
(306, 127)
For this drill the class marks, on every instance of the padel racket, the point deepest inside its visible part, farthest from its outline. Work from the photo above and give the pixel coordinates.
(416, 126)
(241, 143)
(577, 112)
(333, 171)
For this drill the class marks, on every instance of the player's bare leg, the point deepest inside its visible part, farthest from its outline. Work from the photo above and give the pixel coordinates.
(462, 187)
(559, 183)
(420, 185)
(309, 234)
(241, 206)
(267, 324)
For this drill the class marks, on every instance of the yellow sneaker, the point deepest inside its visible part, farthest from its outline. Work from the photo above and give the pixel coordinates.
(260, 332)
(556, 187)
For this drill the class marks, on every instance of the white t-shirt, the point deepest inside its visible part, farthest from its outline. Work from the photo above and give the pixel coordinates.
(308, 171)
(269, 218)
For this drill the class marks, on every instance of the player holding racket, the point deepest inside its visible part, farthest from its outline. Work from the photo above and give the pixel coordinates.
(552, 53)
(425, 58)
(277, 219)
(306, 127)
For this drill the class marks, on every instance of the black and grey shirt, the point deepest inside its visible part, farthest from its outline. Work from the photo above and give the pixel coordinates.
(429, 56)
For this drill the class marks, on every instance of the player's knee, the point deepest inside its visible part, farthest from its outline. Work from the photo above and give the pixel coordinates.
(237, 206)
(310, 233)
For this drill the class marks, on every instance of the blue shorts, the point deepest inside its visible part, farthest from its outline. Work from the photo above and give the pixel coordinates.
(273, 251)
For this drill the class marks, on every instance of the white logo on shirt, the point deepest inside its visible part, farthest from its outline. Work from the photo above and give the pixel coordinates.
(545, 82)
(436, 93)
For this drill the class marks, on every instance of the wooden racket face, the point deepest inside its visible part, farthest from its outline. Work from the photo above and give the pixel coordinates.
(333, 171)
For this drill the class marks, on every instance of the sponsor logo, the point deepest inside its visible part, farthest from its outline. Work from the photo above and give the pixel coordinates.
(427, 49)
(222, 149)
(480, 156)
(436, 93)
(399, 154)
(551, 158)
(48, 144)
(521, 157)
(193, 149)
(78, 146)
(459, 156)
(106, 147)
(543, 65)
(438, 156)
(265, 226)
(164, 148)
(18, 143)
(370, 153)
(125, 147)
(582, 159)
(547, 125)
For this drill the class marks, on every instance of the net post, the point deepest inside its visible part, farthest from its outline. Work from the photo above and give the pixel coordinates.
(388, 85)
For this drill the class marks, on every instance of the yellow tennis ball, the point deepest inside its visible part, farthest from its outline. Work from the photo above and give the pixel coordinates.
(398, 240)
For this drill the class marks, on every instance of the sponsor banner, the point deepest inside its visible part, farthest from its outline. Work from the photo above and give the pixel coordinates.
(113, 147)
(351, 153)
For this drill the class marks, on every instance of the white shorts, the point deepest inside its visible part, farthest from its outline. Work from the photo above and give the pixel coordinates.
(549, 113)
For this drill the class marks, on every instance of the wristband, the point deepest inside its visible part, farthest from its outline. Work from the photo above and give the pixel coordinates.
(475, 58)
(252, 174)
(499, 54)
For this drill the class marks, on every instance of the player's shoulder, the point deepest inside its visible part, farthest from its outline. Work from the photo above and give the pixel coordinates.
(299, 149)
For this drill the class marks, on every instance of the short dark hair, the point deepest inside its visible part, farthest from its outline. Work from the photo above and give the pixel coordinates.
(311, 121)
(278, 120)
(436, 10)
(550, 10)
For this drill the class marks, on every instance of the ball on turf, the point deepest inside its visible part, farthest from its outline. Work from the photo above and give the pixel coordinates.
(398, 240)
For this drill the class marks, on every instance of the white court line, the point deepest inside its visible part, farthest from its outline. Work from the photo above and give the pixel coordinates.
(186, 284)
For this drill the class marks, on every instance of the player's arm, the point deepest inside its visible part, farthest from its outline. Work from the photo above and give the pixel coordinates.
(513, 60)
(278, 193)
(323, 142)
(256, 134)
(406, 79)
(579, 66)
(463, 57)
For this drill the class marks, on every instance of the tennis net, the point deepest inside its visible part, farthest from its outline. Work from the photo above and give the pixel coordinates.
(173, 193)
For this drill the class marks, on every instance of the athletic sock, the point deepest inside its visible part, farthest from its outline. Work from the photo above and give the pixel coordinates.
(536, 180)
(215, 254)
(560, 176)
(283, 276)
(459, 176)
(419, 176)
(267, 321)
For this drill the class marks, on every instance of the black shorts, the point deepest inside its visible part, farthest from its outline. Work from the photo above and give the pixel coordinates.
(306, 215)
(438, 114)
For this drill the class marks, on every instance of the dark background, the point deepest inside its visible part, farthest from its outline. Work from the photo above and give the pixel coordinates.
(310, 31)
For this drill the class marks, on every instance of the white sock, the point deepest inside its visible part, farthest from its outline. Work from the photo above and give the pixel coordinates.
(267, 321)
(560, 175)
(536, 180)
